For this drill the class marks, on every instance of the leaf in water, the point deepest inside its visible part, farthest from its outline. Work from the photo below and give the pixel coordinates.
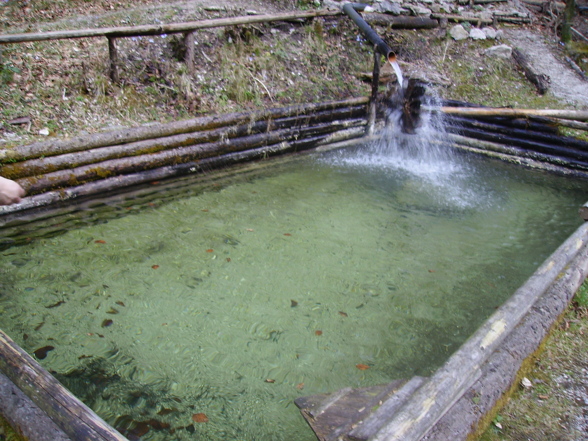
(200, 418)
(99, 241)
(41, 353)
(55, 305)
(155, 266)
(362, 367)
(300, 386)
(119, 303)
(210, 250)
(287, 234)
(107, 323)
(293, 303)
(165, 411)
(318, 332)
(344, 314)
(269, 380)
(112, 311)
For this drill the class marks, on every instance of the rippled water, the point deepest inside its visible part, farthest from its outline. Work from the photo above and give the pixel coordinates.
(232, 298)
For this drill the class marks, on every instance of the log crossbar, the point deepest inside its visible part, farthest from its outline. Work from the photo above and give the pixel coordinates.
(75, 418)
(187, 29)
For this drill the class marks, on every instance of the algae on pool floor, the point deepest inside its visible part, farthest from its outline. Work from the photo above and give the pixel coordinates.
(233, 301)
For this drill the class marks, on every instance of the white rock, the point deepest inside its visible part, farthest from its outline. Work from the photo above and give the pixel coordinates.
(457, 32)
(44, 131)
(477, 34)
(500, 51)
(490, 32)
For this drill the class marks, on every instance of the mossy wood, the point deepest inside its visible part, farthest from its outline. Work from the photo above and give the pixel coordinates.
(84, 142)
(115, 167)
(576, 115)
(70, 414)
(64, 161)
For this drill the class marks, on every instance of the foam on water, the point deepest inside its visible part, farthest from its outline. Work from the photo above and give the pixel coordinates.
(424, 158)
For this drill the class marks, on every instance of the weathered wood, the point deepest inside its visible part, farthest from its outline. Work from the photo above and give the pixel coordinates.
(376, 419)
(113, 167)
(577, 115)
(79, 143)
(189, 57)
(401, 21)
(70, 414)
(541, 81)
(113, 60)
(10, 214)
(48, 164)
(461, 18)
(429, 403)
(332, 416)
(171, 28)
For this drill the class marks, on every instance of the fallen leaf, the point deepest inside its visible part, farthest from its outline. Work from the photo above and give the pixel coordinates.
(526, 383)
(155, 266)
(112, 311)
(205, 210)
(300, 386)
(228, 259)
(344, 314)
(287, 234)
(269, 380)
(293, 303)
(431, 271)
(99, 241)
(107, 323)
(210, 250)
(118, 302)
(318, 332)
(362, 367)
(543, 397)
(41, 353)
(200, 418)
(250, 229)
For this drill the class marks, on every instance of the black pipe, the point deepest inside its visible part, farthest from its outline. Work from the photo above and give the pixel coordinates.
(351, 10)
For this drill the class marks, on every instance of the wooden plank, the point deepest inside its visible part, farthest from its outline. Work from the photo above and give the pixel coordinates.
(376, 420)
(73, 417)
(171, 28)
(332, 416)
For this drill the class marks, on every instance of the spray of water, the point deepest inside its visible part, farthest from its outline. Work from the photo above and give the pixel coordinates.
(421, 159)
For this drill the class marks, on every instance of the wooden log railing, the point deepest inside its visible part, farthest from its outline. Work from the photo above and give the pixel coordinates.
(57, 170)
(188, 29)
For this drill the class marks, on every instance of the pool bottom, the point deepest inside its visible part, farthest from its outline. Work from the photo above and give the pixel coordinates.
(288, 328)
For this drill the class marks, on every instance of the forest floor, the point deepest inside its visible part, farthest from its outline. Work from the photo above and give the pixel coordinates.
(61, 88)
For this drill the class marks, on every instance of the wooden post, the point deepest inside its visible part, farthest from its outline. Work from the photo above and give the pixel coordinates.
(189, 57)
(113, 53)
(374, 96)
(566, 26)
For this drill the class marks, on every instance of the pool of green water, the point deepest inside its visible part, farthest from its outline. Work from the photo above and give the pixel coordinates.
(203, 313)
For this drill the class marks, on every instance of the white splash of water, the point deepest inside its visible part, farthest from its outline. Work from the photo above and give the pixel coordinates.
(421, 159)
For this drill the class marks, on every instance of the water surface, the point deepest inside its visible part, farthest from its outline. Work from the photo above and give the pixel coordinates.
(233, 298)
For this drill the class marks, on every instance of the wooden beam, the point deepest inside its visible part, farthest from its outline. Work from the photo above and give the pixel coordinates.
(576, 115)
(172, 28)
(73, 417)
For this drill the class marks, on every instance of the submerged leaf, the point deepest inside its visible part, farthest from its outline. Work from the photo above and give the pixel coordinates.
(200, 418)
(362, 367)
(41, 353)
